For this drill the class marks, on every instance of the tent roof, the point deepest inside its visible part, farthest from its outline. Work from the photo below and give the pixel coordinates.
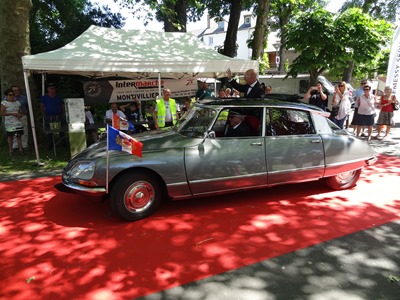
(108, 52)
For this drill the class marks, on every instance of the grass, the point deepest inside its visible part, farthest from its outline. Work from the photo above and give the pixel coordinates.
(28, 163)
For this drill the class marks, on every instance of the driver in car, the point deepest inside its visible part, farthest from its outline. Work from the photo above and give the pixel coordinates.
(237, 126)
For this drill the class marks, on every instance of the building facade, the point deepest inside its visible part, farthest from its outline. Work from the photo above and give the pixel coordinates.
(214, 33)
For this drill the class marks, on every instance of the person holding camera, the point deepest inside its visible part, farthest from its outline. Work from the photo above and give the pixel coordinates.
(341, 100)
(316, 96)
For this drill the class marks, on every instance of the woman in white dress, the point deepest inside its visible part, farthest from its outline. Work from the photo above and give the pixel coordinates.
(341, 97)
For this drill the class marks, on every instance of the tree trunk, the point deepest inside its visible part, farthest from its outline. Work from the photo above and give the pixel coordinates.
(176, 23)
(231, 33)
(260, 30)
(14, 41)
(314, 77)
(348, 72)
(283, 21)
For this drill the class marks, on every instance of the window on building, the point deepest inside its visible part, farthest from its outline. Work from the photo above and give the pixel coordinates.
(210, 40)
(247, 20)
(221, 25)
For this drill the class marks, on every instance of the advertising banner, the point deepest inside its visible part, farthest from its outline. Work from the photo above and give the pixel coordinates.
(126, 90)
(393, 74)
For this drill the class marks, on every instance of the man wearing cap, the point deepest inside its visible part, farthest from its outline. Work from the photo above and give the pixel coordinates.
(252, 88)
(53, 110)
(237, 127)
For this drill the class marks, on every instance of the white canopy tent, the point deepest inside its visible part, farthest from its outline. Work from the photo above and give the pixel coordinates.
(106, 52)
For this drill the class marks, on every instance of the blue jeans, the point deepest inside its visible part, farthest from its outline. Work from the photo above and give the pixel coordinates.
(340, 122)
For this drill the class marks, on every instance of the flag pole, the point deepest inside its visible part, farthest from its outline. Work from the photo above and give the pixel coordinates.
(107, 161)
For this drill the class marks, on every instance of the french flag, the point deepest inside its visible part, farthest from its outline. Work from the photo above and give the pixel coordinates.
(121, 123)
(117, 140)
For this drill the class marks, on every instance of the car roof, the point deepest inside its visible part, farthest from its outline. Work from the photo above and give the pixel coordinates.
(271, 100)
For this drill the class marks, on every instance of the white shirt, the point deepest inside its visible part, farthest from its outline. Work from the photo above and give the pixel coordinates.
(345, 105)
(250, 87)
(89, 117)
(168, 114)
(366, 105)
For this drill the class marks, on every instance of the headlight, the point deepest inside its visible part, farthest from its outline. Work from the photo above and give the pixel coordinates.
(82, 170)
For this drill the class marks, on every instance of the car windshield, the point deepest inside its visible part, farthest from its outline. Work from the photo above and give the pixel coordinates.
(196, 121)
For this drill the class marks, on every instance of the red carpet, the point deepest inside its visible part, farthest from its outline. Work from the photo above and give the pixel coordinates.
(69, 247)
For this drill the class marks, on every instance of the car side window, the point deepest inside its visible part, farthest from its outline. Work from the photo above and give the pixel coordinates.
(252, 121)
(281, 121)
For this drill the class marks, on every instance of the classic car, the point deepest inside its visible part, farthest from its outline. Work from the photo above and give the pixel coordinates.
(288, 142)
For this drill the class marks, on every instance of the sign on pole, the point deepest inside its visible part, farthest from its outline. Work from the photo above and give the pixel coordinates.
(393, 73)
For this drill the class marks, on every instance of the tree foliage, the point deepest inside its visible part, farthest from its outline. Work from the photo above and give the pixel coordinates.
(174, 14)
(323, 39)
(282, 11)
(55, 23)
(388, 10)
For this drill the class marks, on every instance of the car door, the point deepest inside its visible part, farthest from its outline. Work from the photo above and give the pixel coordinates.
(227, 163)
(294, 151)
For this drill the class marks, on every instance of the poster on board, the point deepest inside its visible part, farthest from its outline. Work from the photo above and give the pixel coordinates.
(126, 90)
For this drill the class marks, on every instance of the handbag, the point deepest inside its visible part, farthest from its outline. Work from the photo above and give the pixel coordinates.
(334, 112)
(395, 105)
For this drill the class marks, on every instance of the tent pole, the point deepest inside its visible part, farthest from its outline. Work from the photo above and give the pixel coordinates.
(159, 84)
(43, 85)
(28, 95)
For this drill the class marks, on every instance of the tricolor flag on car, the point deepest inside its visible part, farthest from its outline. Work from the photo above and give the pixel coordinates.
(121, 123)
(117, 140)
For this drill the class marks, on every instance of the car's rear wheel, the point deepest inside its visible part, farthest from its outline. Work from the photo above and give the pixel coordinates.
(135, 196)
(343, 180)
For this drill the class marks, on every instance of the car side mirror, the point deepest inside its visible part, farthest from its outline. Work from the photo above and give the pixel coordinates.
(211, 134)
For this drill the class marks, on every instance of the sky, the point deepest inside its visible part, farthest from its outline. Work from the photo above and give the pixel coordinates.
(133, 23)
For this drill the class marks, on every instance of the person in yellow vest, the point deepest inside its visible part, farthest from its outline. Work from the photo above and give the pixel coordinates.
(165, 111)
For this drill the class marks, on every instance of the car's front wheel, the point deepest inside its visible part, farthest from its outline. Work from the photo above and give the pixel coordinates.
(344, 180)
(135, 196)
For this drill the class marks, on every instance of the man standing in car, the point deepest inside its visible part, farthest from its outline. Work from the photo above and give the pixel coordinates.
(252, 88)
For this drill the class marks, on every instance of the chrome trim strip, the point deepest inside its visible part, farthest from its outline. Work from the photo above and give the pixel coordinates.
(82, 189)
(229, 178)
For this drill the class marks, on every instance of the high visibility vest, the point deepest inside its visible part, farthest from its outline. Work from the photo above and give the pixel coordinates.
(162, 111)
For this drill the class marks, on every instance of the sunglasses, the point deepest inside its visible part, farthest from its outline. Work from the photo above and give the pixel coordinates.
(10, 95)
(341, 85)
(366, 89)
(363, 83)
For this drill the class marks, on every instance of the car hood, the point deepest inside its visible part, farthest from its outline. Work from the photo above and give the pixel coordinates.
(154, 140)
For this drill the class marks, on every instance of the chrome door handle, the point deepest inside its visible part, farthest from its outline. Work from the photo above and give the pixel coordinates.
(256, 144)
(315, 141)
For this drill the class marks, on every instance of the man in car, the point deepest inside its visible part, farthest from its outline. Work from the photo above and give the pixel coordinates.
(252, 88)
(237, 126)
